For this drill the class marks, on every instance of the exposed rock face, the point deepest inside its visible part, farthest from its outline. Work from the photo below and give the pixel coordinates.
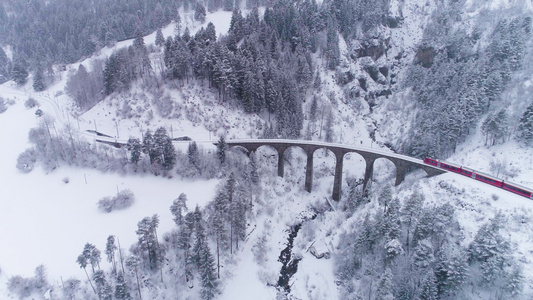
(374, 48)
(424, 56)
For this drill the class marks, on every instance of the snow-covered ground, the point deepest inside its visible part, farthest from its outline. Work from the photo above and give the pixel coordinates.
(44, 220)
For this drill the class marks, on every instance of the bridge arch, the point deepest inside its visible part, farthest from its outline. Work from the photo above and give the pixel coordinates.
(387, 169)
(294, 156)
(319, 160)
(403, 164)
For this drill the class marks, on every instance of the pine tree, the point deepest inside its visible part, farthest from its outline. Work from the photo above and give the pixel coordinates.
(200, 240)
(199, 12)
(71, 288)
(317, 83)
(495, 128)
(133, 262)
(525, 126)
(332, 48)
(328, 137)
(423, 254)
(19, 73)
(103, 289)
(185, 231)
(38, 84)
(393, 248)
(90, 255)
(135, 148)
(5, 66)
(451, 272)
(184, 243)
(194, 155)
(391, 223)
(178, 207)
(491, 250)
(207, 272)
(121, 288)
(148, 243)
(424, 227)
(514, 282)
(410, 213)
(110, 252)
(429, 288)
(221, 150)
(384, 289)
(218, 223)
(111, 74)
(163, 150)
(313, 109)
(83, 261)
(254, 175)
(148, 146)
(159, 38)
(385, 197)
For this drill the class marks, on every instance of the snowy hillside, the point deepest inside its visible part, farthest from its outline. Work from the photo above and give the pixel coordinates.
(294, 244)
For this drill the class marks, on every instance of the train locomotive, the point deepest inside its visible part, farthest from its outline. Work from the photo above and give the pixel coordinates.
(497, 182)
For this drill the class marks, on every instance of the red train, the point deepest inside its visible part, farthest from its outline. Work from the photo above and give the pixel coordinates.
(508, 186)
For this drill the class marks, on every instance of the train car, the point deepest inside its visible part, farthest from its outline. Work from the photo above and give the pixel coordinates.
(450, 167)
(488, 179)
(431, 161)
(520, 190)
(467, 172)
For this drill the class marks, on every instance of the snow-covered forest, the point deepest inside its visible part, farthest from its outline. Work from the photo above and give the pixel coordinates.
(110, 112)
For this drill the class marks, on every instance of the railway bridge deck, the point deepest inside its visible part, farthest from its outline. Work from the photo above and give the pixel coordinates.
(403, 163)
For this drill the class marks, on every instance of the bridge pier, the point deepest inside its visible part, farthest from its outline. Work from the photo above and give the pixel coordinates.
(281, 165)
(337, 181)
(309, 172)
(369, 171)
(402, 164)
(401, 171)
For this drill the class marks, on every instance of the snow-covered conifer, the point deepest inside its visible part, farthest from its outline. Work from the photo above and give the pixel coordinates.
(178, 207)
(121, 288)
(429, 288)
(159, 38)
(384, 290)
(110, 249)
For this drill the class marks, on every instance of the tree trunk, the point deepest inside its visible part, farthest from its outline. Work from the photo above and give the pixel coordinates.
(138, 284)
(218, 258)
(90, 282)
(120, 256)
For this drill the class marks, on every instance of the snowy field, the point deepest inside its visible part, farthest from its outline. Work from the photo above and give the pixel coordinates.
(44, 220)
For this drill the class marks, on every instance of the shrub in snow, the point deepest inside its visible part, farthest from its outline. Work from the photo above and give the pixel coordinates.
(31, 103)
(19, 286)
(164, 105)
(71, 287)
(26, 160)
(3, 105)
(24, 287)
(122, 200)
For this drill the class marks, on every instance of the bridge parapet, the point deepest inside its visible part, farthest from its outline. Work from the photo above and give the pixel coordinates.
(402, 163)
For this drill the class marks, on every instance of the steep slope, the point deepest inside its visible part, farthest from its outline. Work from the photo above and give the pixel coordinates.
(372, 104)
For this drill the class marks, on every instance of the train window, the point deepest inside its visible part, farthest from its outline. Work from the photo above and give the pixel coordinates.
(517, 190)
(450, 167)
(485, 178)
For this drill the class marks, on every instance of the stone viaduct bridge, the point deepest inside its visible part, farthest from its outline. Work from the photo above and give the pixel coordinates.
(402, 163)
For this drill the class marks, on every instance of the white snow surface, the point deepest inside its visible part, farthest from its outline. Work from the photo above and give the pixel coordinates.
(46, 221)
